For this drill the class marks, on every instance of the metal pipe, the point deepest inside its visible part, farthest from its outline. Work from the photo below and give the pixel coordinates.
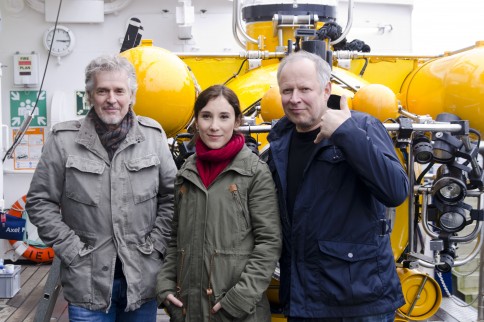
(475, 166)
(458, 51)
(280, 38)
(251, 54)
(354, 89)
(214, 55)
(417, 295)
(480, 294)
(238, 25)
(425, 191)
(474, 252)
(390, 127)
(425, 264)
(247, 129)
(411, 208)
(425, 223)
(469, 237)
(471, 256)
(235, 15)
(295, 21)
(437, 127)
(349, 23)
(345, 54)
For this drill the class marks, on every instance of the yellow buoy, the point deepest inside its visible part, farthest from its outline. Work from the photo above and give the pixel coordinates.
(167, 89)
(377, 100)
(271, 105)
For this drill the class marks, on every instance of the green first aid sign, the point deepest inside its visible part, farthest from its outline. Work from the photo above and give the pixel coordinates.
(21, 105)
(81, 104)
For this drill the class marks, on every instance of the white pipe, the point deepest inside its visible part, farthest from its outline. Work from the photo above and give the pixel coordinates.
(239, 29)
(235, 7)
(348, 24)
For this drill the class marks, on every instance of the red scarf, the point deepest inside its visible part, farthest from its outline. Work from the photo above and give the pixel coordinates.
(211, 162)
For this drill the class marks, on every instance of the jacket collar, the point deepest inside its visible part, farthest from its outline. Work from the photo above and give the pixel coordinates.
(242, 163)
(283, 128)
(88, 137)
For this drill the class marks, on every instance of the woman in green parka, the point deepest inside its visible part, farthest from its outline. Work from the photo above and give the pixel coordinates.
(226, 234)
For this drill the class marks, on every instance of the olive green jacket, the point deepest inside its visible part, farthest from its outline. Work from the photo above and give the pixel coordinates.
(226, 241)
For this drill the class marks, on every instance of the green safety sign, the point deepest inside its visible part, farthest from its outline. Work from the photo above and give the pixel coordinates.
(81, 104)
(21, 105)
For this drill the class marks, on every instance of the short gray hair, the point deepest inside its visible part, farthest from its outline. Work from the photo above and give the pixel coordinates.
(110, 63)
(322, 67)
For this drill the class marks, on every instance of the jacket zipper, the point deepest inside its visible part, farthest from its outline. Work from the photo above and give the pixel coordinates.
(209, 288)
(178, 281)
(235, 193)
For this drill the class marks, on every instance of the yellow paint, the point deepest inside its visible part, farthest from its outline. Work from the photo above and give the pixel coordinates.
(166, 87)
(452, 84)
(427, 302)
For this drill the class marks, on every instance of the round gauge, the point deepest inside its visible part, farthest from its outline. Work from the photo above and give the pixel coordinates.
(63, 39)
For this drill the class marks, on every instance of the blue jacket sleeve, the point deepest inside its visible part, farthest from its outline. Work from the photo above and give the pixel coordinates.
(369, 150)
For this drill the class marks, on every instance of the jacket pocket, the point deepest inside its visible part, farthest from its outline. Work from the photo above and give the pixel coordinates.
(143, 177)
(83, 179)
(226, 269)
(240, 209)
(76, 279)
(331, 154)
(349, 273)
(329, 166)
(149, 260)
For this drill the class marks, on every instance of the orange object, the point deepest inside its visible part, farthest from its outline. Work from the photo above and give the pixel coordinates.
(377, 100)
(35, 254)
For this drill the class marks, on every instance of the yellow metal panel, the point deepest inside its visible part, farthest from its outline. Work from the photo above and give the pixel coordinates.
(453, 84)
(424, 304)
(215, 70)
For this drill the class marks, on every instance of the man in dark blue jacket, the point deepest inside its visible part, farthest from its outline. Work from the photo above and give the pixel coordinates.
(336, 172)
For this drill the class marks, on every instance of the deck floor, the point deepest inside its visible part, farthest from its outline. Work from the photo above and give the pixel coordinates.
(23, 305)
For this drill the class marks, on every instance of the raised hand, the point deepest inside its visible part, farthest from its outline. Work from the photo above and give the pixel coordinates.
(332, 119)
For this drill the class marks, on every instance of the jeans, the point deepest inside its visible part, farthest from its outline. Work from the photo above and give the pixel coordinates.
(384, 317)
(146, 313)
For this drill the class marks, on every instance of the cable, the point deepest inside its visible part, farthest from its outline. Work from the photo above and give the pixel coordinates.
(28, 119)
(249, 109)
(237, 73)
(439, 274)
(363, 69)
(424, 172)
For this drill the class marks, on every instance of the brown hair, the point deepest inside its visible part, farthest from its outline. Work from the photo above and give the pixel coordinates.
(212, 93)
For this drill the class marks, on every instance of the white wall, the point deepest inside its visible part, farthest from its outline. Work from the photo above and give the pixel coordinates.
(446, 25)
(22, 32)
(383, 25)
